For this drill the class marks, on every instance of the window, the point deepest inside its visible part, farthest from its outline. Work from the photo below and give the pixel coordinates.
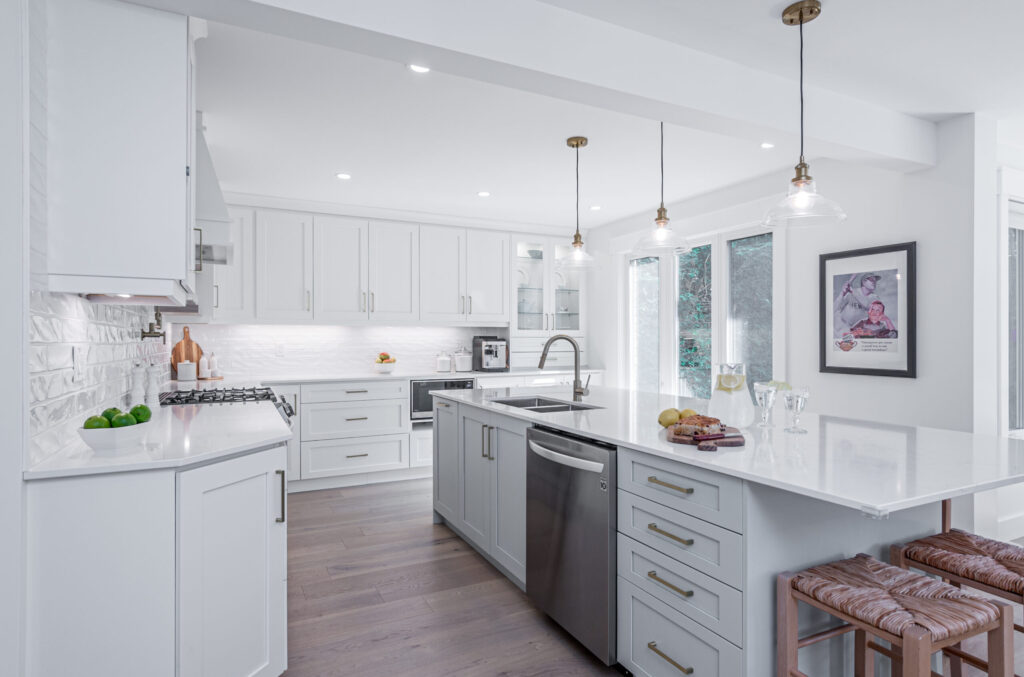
(693, 314)
(644, 342)
(750, 306)
(1015, 361)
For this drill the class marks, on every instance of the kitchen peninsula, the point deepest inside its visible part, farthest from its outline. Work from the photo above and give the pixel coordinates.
(701, 536)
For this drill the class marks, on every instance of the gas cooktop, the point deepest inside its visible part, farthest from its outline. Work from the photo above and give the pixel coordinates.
(218, 396)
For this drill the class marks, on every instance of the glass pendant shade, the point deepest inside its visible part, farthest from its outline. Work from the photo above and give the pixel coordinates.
(803, 207)
(577, 257)
(663, 237)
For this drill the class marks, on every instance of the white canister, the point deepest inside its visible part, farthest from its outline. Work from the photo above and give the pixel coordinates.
(154, 381)
(464, 362)
(443, 362)
(204, 367)
(186, 371)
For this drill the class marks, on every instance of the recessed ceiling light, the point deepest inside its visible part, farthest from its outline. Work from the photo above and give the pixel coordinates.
(483, 193)
(595, 208)
(418, 69)
(767, 145)
(344, 177)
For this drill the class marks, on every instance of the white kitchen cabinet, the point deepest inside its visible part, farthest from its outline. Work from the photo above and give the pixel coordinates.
(234, 284)
(475, 477)
(232, 567)
(463, 276)
(290, 394)
(421, 445)
(340, 270)
(446, 459)
(118, 120)
(548, 298)
(354, 455)
(508, 494)
(394, 290)
(284, 266)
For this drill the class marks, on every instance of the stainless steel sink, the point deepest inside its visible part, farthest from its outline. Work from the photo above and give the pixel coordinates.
(542, 405)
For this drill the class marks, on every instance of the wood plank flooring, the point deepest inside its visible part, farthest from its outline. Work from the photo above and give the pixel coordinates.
(375, 588)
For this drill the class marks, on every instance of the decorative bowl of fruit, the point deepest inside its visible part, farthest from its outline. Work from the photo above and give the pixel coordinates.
(116, 430)
(385, 363)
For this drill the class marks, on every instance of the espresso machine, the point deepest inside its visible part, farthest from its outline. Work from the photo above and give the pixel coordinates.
(490, 353)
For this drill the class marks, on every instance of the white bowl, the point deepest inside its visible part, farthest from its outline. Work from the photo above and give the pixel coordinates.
(114, 439)
(385, 367)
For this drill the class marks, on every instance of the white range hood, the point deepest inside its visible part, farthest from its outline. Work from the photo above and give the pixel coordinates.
(211, 213)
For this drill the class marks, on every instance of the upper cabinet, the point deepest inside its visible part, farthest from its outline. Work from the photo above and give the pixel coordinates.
(234, 284)
(341, 282)
(118, 128)
(284, 266)
(547, 296)
(394, 272)
(463, 276)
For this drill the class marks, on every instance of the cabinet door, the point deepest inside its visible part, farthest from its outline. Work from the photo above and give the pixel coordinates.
(531, 315)
(284, 271)
(442, 274)
(446, 460)
(474, 477)
(340, 277)
(232, 577)
(508, 493)
(394, 272)
(234, 285)
(486, 276)
(290, 394)
(566, 295)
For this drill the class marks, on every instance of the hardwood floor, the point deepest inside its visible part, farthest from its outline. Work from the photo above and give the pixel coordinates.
(375, 588)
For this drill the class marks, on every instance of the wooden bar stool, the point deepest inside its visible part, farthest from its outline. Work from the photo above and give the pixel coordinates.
(915, 614)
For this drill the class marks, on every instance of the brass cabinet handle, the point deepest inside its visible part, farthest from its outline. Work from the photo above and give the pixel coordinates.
(284, 501)
(683, 490)
(654, 527)
(356, 455)
(490, 444)
(653, 575)
(199, 264)
(353, 392)
(483, 441)
(295, 402)
(653, 646)
(443, 404)
(357, 418)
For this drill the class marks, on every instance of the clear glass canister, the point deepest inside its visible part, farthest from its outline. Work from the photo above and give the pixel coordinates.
(730, 396)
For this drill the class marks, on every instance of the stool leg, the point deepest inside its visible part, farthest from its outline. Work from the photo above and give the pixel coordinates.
(917, 652)
(785, 625)
(863, 658)
(1000, 644)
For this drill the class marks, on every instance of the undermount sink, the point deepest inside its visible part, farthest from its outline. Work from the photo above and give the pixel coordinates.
(542, 405)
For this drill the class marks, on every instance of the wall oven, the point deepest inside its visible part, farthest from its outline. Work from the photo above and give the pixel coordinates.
(421, 404)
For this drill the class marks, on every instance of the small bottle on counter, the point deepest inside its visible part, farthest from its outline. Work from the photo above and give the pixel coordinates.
(204, 367)
(154, 380)
(138, 393)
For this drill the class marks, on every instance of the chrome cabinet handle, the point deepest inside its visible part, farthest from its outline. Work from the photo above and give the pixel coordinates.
(654, 480)
(364, 302)
(545, 321)
(309, 299)
(356, 455)
(216, 296)
(357, 418)
(353, 392)
(295, 402)
(470, 304)
(654, 527)
(199, 263)
(490, 442)
(653, 646)
(483, 441)
(653, 575)
(373, 302)
(462, 304)
(284, 501)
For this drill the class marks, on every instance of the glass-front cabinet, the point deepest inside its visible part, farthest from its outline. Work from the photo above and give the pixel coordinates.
(547, 297)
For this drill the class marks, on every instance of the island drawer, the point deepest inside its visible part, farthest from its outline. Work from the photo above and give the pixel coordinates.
(706, 547)
(655, 640)
(329, 458)
(329, 420)
(350, 391)
(711, 603)
(711, 496)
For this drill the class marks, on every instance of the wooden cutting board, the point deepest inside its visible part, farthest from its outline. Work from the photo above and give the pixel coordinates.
(185, 350)
(677, 438)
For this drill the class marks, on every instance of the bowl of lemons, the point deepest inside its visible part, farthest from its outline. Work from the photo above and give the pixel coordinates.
(116, 430)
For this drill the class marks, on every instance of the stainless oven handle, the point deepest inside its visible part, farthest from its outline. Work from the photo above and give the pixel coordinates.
(562, 459)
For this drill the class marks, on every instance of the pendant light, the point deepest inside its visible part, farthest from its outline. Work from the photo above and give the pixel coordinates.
(803, 206)
(578, 257)
(663, 237)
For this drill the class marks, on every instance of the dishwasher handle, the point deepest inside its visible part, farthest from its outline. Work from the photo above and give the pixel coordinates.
(563, 459)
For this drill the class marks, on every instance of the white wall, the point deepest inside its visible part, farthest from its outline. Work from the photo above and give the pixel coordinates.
(935, 208)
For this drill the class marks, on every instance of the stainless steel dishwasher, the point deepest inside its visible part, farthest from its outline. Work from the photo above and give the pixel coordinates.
(570, 535)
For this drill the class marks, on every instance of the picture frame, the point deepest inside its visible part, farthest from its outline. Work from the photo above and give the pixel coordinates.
(868, 311)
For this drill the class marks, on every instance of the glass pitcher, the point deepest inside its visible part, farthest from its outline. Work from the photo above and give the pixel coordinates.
(730, 397)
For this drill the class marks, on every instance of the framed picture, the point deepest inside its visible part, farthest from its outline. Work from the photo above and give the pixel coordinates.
(868, 311)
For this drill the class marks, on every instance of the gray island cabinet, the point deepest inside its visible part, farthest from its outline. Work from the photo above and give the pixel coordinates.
(702, 536)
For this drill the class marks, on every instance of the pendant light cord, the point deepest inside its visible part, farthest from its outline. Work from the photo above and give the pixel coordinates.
(801, 88)
(662, 164)
(577, 189)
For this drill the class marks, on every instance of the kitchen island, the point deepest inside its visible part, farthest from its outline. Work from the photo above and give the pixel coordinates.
(736, 517)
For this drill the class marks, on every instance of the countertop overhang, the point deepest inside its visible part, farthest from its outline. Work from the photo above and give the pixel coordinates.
(877, 468)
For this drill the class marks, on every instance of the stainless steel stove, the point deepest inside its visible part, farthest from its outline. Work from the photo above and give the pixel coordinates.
(228, 396)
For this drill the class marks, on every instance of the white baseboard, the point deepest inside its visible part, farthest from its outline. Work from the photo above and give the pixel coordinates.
(298, 486)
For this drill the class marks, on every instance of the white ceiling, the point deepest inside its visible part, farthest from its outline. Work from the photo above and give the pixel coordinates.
(922, 57)
(283, 117)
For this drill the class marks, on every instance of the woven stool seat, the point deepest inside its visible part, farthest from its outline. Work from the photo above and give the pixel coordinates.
(893, 599)
(994, 563)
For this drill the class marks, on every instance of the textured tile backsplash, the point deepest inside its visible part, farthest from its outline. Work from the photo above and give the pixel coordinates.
(278, 351)
(106, 338)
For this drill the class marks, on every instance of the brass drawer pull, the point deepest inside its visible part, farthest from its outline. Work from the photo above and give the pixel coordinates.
(442, 404)
(653, 575)
(358, 418)
(654, 527)
(356, 455)
(683, 490)
(653, 646)
(353, 392)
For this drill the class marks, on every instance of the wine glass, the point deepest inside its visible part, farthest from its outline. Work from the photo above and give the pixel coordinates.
(796, 400)
(764, 395)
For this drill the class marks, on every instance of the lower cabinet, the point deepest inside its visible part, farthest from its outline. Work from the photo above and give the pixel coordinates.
(290, 394)
(347, 456)
(446, 459)
(421, 445)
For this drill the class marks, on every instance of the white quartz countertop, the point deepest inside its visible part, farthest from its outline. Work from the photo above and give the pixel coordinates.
(873, 467)
(399, 375)
(178, 436)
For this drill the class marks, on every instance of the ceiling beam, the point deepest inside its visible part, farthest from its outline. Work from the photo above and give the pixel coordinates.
(537, 47)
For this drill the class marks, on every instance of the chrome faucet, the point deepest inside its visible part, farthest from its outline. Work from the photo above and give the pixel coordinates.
(578, 387)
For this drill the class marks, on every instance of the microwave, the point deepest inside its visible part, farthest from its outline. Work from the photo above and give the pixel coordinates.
(421, 404)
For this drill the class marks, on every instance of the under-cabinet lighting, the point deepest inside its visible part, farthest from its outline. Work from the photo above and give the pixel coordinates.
(343, 177)
(418, 69)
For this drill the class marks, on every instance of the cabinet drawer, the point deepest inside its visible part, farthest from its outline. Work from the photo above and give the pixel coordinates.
(535, 344)
(711, 603)
(328, 420)
(351, 391)
(356, 455)
(702, 493)
(647, 626)
(708, 548)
